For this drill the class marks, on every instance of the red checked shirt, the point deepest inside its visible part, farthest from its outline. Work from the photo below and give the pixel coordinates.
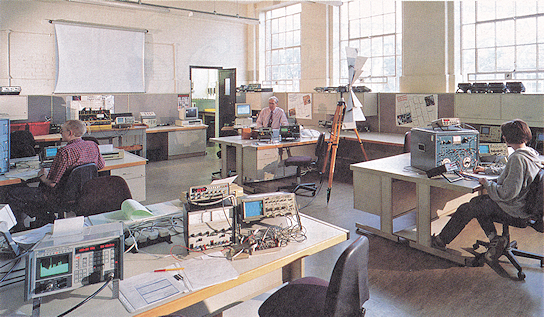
(75, 153)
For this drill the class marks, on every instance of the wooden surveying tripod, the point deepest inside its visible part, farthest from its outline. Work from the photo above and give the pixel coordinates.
(332, 143)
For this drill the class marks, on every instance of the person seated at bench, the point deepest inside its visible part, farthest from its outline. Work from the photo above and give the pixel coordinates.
(506, 195)
(28, 201)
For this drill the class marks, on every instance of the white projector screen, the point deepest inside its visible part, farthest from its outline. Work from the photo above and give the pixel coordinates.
(93, 59)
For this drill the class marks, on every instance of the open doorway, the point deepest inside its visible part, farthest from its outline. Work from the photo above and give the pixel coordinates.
(214, 93)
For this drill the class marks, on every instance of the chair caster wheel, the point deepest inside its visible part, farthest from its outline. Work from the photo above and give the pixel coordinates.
(475, 246)
(521, 276)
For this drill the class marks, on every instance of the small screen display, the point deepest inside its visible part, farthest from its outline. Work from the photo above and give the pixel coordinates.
(484, 149)
(50, 152)
(484, 130)
(191, 113)
(253, 209)
(53, 265)
(540, 137)
(243, 110)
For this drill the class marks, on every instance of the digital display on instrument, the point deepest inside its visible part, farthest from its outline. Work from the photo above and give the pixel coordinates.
(253, 210)
(484, 149)
(53, 265)
(484, 130)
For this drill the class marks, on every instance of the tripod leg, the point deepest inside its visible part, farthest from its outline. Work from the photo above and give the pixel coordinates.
(361, 144)
(331, 170)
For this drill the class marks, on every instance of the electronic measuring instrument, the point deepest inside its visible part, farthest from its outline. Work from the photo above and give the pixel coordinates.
(430, 147)
(63, 263)
(208, 193)
(490, 133)
(259, 206)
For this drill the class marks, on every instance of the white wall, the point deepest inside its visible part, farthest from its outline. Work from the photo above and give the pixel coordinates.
(173, 43)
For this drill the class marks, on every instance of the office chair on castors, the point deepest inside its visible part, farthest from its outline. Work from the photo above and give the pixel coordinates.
(534, 207)
(102, 194)
(303, 161)
(343, 296)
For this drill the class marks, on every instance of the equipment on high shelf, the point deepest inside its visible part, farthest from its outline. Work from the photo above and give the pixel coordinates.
(445, 122)
(10, 90)
(95, 117)
(62, 263)
(434, 147)
(290, 132)
(149, 118)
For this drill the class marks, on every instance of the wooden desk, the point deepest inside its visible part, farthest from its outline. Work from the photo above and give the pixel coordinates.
(131, 167)
(136, 131)
(250, 156)
(257, 274)
(390, 187)
(176, 141)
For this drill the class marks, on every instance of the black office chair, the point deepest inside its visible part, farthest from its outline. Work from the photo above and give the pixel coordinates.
(90, 138)
(67, 192)
(534, 207)
(303, 161)
(22, 144)
(343, 295)
(102, 194)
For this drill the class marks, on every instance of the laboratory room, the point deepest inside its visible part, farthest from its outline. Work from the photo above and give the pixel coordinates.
(271, 158)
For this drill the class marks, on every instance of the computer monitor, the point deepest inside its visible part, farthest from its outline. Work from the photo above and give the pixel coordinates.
(191, 113)
(243, 110)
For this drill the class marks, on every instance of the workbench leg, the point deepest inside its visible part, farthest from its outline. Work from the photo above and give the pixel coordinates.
(293, 271)
(386, 218)
(423, 214)
(36, 303)
(239, 165)
(224, 166)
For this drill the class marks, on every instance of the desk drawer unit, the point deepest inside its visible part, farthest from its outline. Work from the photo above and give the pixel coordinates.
(135, 178)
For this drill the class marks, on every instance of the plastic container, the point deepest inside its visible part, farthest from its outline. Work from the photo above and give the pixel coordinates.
(36, 128)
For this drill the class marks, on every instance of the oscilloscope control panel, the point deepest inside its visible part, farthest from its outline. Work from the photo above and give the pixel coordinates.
(55, 267)
(254, 207)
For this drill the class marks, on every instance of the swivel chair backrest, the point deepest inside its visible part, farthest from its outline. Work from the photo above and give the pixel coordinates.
(102, 194)
(69, 187)
(22, 144)
(535, 202)
(348, 286)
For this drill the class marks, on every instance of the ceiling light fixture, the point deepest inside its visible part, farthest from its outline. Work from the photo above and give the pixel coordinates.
(166, 9)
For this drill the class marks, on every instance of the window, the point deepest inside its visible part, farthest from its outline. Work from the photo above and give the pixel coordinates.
(503, 39)
(375, 29)
(282, 48)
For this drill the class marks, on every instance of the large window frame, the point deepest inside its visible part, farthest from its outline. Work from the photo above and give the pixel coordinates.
(502, 41)
(375, 29)
(281, 50)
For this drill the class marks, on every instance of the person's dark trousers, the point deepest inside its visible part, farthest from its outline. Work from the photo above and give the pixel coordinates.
(31, 201)
(483, 208)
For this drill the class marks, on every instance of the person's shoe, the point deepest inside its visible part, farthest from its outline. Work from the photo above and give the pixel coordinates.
(437, 243)
(497, 245)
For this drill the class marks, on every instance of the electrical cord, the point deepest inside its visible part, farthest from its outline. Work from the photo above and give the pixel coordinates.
(110, 277)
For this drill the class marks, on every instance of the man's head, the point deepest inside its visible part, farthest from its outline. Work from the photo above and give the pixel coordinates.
(272, 103)
(72, 129)
(516, 132)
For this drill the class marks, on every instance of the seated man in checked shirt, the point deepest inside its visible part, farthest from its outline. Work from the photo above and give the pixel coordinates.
(26, 201)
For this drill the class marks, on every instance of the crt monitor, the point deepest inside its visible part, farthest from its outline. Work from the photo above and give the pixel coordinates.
(484, 149)
(189, 113)
(243, 110)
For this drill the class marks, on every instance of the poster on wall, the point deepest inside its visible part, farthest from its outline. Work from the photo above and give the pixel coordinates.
(416, 110)
(299, 106)
(183, 101)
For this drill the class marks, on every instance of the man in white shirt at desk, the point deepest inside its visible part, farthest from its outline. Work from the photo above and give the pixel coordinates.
(273, 116)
